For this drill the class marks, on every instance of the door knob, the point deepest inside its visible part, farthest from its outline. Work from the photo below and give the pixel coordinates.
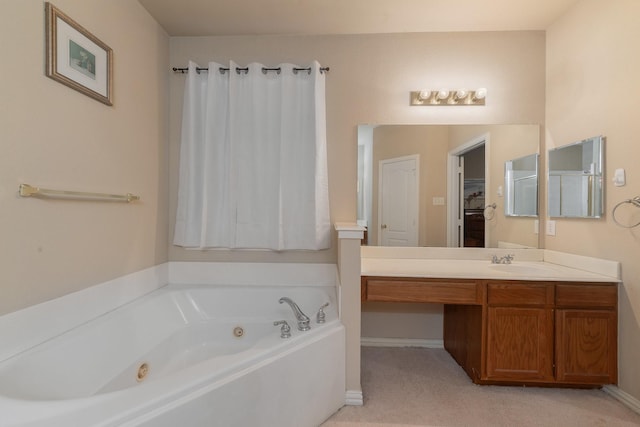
(383, 226)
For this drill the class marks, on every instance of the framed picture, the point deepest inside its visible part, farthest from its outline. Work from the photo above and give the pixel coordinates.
(76, 58)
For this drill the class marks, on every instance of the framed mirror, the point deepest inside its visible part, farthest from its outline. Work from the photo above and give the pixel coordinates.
(575, 180)
(450, 179)
(521, 186)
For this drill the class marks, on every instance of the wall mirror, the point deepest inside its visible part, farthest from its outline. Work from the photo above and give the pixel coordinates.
(442, 185)
(521, 186)
(575, 179)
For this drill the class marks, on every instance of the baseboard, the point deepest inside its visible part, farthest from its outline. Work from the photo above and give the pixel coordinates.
(400, 342)
(624, 397)
(353, 398)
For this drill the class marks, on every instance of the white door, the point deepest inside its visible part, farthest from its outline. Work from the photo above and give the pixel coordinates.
(398, 201)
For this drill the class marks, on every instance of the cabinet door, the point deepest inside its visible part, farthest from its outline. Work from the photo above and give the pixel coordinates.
(519, 344)
(586, 346)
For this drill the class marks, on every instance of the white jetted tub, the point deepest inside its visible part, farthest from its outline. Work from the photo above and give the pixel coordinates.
(185, 356)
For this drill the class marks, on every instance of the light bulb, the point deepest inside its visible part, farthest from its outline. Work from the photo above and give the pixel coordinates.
(424, 95)
(481, 93)
(461, 93)
(443, 94)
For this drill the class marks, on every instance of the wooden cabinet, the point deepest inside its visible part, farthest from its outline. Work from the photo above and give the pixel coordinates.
(519, 332)
(551, 333)
(586, 334)
(519, 344)
(474, 224)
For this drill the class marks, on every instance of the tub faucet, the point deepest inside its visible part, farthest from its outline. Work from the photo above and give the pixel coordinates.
(303, 320)
(285, 330)
(321, 316)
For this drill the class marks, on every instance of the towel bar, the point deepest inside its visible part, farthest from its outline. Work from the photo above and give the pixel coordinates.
(27, 190)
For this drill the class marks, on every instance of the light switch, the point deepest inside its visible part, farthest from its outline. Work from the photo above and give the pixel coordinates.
(551, 228)
(619, 178)
(536, 226)
(438, 201)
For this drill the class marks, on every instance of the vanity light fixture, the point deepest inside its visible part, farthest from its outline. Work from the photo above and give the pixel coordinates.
(445, 97)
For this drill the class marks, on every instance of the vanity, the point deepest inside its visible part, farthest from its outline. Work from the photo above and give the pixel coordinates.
(547, 319)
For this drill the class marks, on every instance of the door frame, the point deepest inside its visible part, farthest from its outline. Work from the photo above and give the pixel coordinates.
(454, 193)
(416, 158)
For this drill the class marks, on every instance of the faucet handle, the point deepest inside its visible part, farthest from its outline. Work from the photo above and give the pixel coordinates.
(285, 329)
(320, 317)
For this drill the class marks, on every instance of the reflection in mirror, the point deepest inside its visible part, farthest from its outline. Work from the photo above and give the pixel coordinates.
(521, 186)
(454, 171)
(575, 179)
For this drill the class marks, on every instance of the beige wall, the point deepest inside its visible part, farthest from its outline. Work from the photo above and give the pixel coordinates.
(369, 82)
(592, 86)
(55, 137)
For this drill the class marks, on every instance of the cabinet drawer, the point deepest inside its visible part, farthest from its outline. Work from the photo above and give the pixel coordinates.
(427, 290)
(520, 294)
(587, 295)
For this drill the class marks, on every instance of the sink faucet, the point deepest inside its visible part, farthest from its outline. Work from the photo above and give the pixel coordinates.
(303, 320)
(502, 260)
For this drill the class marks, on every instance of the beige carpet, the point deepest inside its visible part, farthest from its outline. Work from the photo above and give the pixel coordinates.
(425, 387)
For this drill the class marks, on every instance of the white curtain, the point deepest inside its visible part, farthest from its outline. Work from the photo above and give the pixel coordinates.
(253, 163)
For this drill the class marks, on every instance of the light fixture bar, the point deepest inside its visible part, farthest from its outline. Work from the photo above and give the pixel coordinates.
(445, 97)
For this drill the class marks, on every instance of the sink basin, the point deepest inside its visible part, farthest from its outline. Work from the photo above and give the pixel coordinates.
(523, 269)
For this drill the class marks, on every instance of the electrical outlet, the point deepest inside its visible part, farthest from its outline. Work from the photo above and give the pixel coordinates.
(551, 228)
(536, 226)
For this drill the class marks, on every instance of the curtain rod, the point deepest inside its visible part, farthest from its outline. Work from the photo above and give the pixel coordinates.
(246, 70)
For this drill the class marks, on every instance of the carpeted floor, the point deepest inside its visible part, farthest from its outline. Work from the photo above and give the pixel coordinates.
(426, 387)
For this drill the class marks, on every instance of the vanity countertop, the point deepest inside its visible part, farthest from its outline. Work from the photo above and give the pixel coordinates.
(475, 263)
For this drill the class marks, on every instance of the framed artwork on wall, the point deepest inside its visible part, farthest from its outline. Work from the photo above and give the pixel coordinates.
(77, 58)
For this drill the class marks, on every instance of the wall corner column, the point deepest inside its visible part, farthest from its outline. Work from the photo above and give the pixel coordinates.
(350, 236)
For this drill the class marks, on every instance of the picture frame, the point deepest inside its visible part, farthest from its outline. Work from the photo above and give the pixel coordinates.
(77, 58)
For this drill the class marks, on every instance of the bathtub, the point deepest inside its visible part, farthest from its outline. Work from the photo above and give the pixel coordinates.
(185, 354)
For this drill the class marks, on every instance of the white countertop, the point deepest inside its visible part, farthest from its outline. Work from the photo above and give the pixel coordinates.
(529, 264)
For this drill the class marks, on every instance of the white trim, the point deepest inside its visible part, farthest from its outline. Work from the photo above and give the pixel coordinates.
(349, 230)
(400, 342)
(624, 397)
(453, 197)
(365, 139)
(353, 398)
